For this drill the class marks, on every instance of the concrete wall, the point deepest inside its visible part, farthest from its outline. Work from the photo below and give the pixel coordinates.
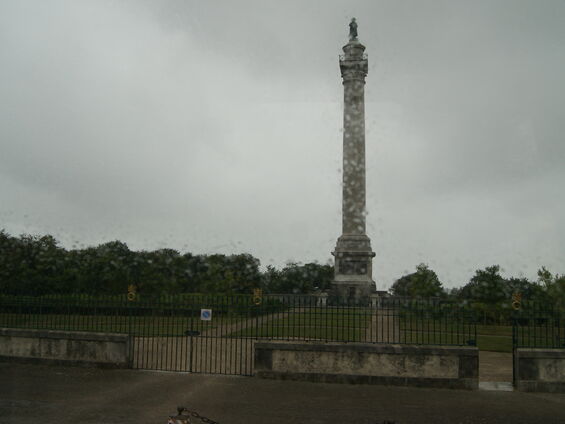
(100, 349)
(429, 366)
(539, 370)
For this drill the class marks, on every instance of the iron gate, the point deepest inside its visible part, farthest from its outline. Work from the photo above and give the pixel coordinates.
(177, 338)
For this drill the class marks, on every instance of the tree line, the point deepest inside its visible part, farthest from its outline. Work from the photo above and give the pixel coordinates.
(38, 265)
(486, 287)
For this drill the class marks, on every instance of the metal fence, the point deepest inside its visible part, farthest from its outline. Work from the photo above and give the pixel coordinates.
(538, 326)
(215, 334)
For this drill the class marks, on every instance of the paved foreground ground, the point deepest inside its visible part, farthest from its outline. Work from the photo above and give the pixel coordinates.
(53, 394)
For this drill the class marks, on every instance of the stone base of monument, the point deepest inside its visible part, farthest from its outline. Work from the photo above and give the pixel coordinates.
(352, 291)
(353, 267)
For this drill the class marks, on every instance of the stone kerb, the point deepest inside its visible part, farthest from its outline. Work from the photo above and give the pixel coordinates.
(539, 370)
(393, 364)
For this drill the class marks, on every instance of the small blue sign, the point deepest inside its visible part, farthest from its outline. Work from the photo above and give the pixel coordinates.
(206, 314)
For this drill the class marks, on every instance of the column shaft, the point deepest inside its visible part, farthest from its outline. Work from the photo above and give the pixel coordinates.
(353, 202)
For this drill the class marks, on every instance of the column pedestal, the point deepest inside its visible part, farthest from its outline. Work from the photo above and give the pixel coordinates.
(353, 267)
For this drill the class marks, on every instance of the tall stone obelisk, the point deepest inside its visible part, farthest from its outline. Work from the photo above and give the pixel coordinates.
(353, 254)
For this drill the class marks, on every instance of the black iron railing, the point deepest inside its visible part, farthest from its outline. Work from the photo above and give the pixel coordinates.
(204, 333)
(386, 320)
(537, 325)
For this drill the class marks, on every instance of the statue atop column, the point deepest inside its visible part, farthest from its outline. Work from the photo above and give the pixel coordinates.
(353, 30)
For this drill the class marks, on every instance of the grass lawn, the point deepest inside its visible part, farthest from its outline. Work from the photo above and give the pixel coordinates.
(498, 338)
(438, 337)
(281, 331)
(444, 330)
(135, 325)
(338, 324)
(494, 343)
(494, 338)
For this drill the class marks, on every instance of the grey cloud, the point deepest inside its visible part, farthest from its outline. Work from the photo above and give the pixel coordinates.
(215, 126)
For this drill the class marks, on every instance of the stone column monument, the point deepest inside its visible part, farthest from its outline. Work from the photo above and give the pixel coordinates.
(353, 253)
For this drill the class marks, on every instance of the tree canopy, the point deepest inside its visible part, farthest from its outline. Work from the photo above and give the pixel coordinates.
(422, 283)
(38, 265)
(34, 265)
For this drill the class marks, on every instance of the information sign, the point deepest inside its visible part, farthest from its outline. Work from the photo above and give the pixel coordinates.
(206, 314)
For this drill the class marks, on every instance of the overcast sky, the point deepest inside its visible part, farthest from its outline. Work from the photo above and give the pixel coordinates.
(215, 126)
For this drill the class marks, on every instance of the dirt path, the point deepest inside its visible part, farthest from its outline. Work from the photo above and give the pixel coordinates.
(495, 366)
(227, 329)
(216, 355)
(383, 327)
(213, 351)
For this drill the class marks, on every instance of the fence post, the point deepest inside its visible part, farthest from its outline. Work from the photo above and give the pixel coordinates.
(559, 343)
(514, 320)
(375, 300)
(322, 299)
